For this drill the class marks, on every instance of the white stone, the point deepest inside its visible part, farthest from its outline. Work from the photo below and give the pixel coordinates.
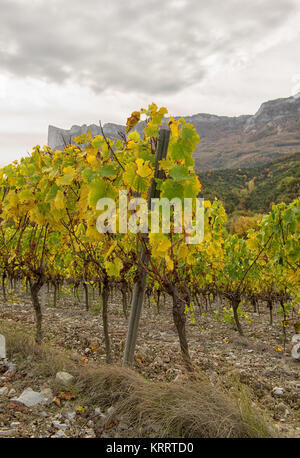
(123, 426)
(3, 390)
(11, 368)
(89, 433)
(98, 413)
(61, 426)
(296, 338)
(47, 395)
(15, 424)
(64, 377)
(2, 347)
(295, 353)
(30, 398)
(5, 432)
(110, 410)
(71, 416)
(278, 391)
(60, 434)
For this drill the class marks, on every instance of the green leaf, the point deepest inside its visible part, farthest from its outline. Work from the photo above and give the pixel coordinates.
(100, 189)
(179, 172)
(107, 170)
(170, 189)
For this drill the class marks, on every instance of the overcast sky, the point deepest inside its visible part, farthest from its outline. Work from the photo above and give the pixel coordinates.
(66, 62)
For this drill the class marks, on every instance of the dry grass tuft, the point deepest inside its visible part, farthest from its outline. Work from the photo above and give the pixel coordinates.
(187, 409)
(46, 360)
(192, 409)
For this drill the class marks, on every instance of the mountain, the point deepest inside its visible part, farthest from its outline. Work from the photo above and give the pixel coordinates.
(58, 138)
(248, 141)
(254, 189)
(226, 142)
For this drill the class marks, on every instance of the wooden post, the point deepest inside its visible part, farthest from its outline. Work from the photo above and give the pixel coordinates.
(43, 290)
(140, 285)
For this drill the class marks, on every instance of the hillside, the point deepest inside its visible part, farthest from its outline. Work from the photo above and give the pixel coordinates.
(254, 189)
(248, 141)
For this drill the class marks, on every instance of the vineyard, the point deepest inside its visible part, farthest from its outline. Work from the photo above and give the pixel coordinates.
(54, 260)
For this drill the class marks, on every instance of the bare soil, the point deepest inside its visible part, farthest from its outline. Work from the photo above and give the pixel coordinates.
(215, 347)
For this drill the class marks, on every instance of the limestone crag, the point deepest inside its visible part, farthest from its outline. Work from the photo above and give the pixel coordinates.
(58, 138)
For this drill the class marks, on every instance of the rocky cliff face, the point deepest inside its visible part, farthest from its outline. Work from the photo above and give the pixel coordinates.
(226, 142)
(274, 111)
(59, 138)
(248, 141)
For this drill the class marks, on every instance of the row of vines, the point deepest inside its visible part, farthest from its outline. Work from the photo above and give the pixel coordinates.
(48, 230)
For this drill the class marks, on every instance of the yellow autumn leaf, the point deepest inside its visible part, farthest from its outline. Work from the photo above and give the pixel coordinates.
(160, 244)
(169, 263)
(92, 233)
(132, 120)
(111, 249)
(251, 243)
(174, 127)
(209, 278)
(143, 169)
(82, 203)
(67, 178)
(212, 250)
(114, 268)
(166, 165)
(183, 251)
(59, 200)
(92, 160)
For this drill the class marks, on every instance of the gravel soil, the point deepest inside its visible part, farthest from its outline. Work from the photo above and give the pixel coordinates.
(259, 360)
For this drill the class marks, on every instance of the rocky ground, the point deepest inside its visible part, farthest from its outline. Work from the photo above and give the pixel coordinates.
(259, 360)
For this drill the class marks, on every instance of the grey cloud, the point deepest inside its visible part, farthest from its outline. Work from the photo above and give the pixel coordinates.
(149, 47)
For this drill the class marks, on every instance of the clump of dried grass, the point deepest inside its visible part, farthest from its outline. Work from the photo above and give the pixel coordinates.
(46, 360)
(193, 408)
